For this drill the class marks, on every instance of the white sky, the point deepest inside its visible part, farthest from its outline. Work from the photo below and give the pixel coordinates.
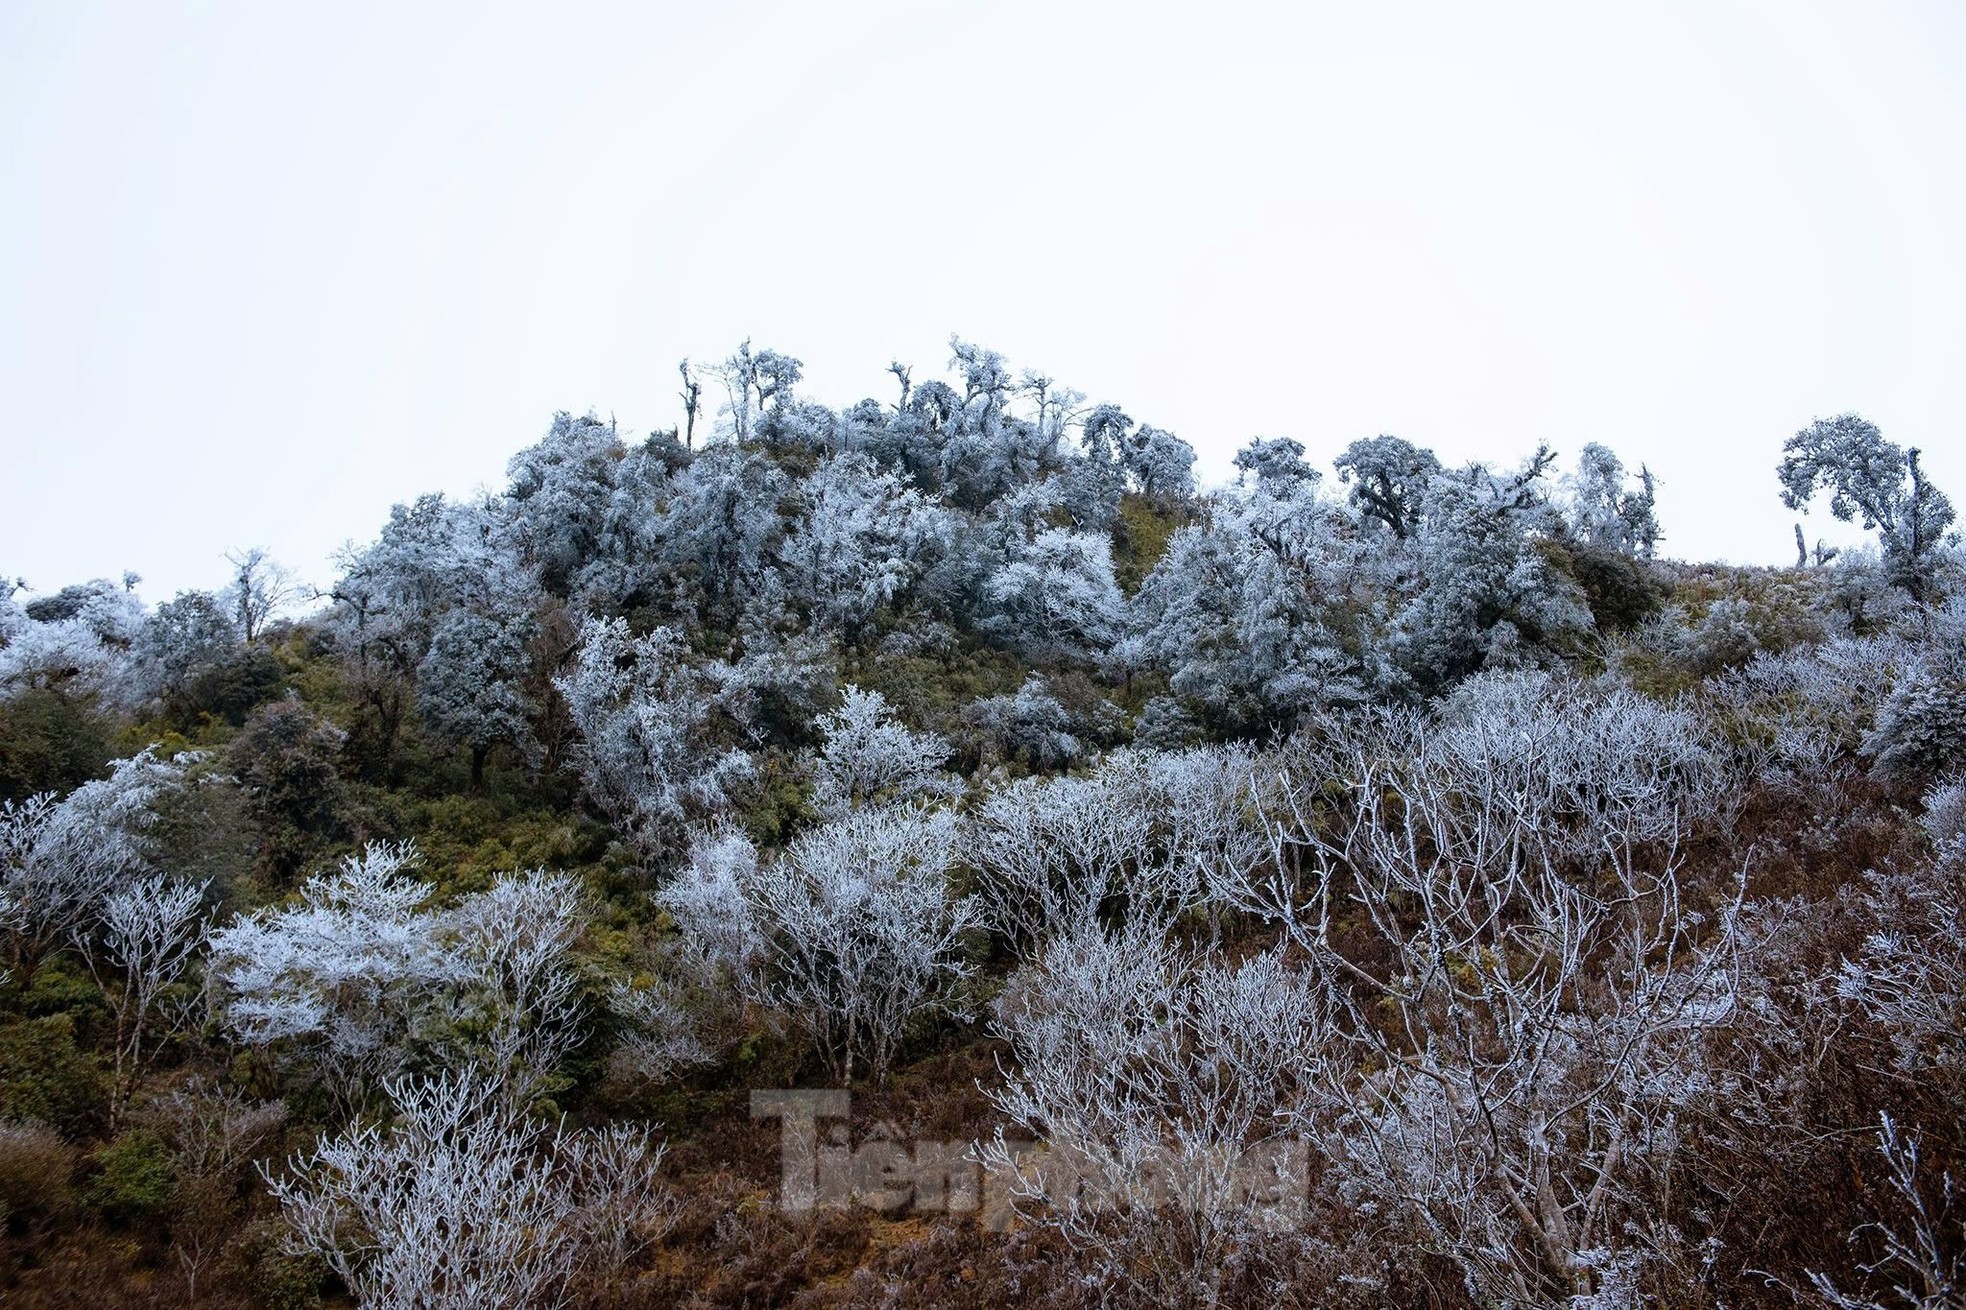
(266, 269)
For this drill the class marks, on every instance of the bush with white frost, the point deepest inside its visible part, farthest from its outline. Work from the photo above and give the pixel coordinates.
(1166, 1089)
(855, 930)
(869, 757)
(1032, 724)
(1921, 726)
(461, 1202)
(60, 858)
(1144, 836)
(358, 980)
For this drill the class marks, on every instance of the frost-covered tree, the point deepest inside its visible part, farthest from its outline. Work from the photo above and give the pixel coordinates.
(707, 899)
(61, 859)
(861, 541)
(1921, 725)
(757, 385)
(871, 758)
(720, 530)
(1875, 481)
(1097, 479)
(649, 754)
(1160, 463)
(431, 557)
(460, 1203)
(261, 589)
(471, 686)
(1261, 613)
(1389, 478)
(968, 445)
(13, 619)
(1055, 595)
(74, 641)
(1484, 596)
(1142, 838)
(182, 641)
(855, 930)
(1275, 465)
(148, 934)
(343, 974)
(1605, 512)
(512, 945)
(358, 980)
(561, 494)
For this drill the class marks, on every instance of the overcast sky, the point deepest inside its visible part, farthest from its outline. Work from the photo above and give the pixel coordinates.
(266, 269)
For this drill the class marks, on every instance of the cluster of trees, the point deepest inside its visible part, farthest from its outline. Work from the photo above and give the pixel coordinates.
(1549, 924)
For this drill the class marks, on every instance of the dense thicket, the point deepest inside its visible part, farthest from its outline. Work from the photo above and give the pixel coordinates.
(1577, 927)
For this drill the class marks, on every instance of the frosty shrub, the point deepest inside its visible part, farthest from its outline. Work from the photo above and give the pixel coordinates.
(1917, 1258)
(1519, 982)
(462, 1203)
(1164, 1087)
(358, 980)
(1910, 976)
(1921, 727)
(1945, 817)
(871, 758)
(856, 930)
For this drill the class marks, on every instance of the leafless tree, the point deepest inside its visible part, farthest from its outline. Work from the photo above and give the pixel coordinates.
(692, 395)
(1922, 1262)
(1166, 1088)
(1526, 1013)
(149, 933)
(261, 588)
(463, 1203)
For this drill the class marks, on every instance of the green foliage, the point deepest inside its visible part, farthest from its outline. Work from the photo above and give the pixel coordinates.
(51, 742)
(468, 840)
(62, 985)
(929, 692)
(1140, 537)
(45, 1076)
(1622, 591)
(781, 803)
(134, 1179)
(286, 760)
(204, 833)
(270, 1276)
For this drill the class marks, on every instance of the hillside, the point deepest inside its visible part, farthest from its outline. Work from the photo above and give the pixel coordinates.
(1389, 884)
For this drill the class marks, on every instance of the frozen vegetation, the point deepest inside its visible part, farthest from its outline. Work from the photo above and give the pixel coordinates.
(1561, 925)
